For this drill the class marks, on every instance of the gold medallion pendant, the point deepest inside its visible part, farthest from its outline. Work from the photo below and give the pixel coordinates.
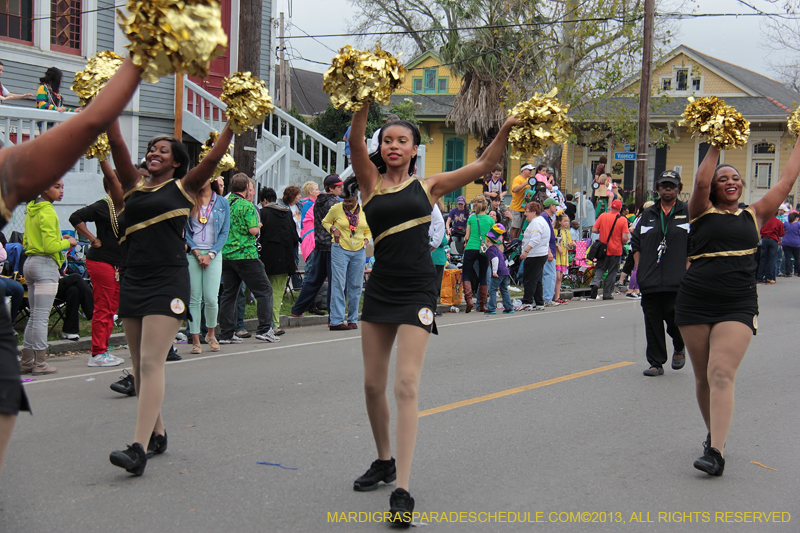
(203, 219)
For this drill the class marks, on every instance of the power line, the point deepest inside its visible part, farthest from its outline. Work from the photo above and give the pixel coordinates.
(671, 15)
(317, 40)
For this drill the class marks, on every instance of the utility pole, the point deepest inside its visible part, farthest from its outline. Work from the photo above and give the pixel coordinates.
(244, 151)
(642, 148)
(178, 134)
(285, 87)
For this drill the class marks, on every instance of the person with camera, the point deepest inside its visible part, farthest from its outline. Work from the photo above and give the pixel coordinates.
(660, 245)
(613, 232)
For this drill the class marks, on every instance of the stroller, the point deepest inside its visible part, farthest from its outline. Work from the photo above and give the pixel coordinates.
(511, 251)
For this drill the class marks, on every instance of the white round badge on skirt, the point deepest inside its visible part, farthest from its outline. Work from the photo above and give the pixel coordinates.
(425, 316)
(177, 306)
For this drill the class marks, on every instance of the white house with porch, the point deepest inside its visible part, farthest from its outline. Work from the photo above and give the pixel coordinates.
(37, 34)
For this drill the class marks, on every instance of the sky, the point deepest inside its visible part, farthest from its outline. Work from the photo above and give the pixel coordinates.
(737, 40)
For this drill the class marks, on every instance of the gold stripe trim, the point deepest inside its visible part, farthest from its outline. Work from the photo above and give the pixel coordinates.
(388, 190)
(427, 191)
(402, 227)
(717, 211)
(755, 221)
(155, 220)
(139, 185)
(733, 253)
(186, 194)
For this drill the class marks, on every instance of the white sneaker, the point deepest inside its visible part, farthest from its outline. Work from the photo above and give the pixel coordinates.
(550, 303)
(70, 336)
(538, 308)
(268, 336)
(233, 340)
(104, 359)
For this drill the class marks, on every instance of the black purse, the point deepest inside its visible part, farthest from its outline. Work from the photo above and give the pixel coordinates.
(598, 249)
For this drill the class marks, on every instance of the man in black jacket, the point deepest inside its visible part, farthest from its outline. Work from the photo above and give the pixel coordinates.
(322, 247)
(660, 244)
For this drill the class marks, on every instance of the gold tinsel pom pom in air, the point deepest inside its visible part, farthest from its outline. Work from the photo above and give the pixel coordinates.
(719, 123)
(95, 75)
(167, 36)
(793, 121)
(100, 149)
(544, 122)
(359, 77)
(248, 101)
(225, 164)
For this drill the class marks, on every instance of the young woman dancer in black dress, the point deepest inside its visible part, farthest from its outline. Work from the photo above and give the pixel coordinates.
(24, 173)
(400, 298)
(717, 303)
(154, 289)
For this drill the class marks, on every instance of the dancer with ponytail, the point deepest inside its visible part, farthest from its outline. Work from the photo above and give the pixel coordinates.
(400, 297)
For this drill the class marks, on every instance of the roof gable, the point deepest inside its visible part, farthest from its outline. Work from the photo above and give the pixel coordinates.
(422, 57)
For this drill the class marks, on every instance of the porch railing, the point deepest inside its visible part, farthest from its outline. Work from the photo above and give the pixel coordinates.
(204, 113)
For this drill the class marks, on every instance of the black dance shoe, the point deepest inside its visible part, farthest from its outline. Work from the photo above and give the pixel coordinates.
(172, 355)
(125, 385)
(401, 508)
(712, 462)
(133, 460)
(378, 471)
(157, 444)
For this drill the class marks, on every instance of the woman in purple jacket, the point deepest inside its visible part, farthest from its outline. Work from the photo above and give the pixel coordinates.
(791, 244)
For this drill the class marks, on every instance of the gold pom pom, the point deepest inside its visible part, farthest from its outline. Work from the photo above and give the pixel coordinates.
(361, 77)
(719, 123)
(225, 164)
(544, 122)
(793, 122)
(95, 75)
(169, 36)
(100, 149)
(247, 99)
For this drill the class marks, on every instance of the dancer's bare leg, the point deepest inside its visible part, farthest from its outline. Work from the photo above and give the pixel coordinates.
(728, 344)
(412, 343)
(696, 338)
(6, 428)
(149, 355)
(376, 344)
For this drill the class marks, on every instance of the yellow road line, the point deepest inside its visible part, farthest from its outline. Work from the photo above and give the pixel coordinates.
(524, 388)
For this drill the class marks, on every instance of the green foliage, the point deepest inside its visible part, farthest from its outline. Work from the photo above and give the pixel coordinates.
(407, 110)
(333, 123)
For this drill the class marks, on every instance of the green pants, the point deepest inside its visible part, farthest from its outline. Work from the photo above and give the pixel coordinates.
(278, 283)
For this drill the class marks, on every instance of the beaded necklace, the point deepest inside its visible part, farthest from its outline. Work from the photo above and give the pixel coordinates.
(113, 212)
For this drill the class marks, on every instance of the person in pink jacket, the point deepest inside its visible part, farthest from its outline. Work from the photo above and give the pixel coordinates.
(306, 205)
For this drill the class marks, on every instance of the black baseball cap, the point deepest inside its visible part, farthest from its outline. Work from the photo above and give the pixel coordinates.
(669, 176)
(333, 180)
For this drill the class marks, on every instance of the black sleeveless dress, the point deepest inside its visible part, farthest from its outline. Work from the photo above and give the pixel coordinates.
(12, 396)
(720, 285)
(155, 275)
(402, 286)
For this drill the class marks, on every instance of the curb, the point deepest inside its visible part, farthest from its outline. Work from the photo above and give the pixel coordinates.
(118, 339)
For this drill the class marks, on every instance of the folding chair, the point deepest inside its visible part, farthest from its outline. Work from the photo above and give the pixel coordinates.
(290, 288)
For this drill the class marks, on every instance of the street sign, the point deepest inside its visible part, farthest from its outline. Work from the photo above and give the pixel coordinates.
(625, 156)
(627, 147)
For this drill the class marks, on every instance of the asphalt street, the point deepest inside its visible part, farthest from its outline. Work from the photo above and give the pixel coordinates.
(540, 417)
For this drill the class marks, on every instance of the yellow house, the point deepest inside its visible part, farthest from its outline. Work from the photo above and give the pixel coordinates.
(433, 87)
(686, 72)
